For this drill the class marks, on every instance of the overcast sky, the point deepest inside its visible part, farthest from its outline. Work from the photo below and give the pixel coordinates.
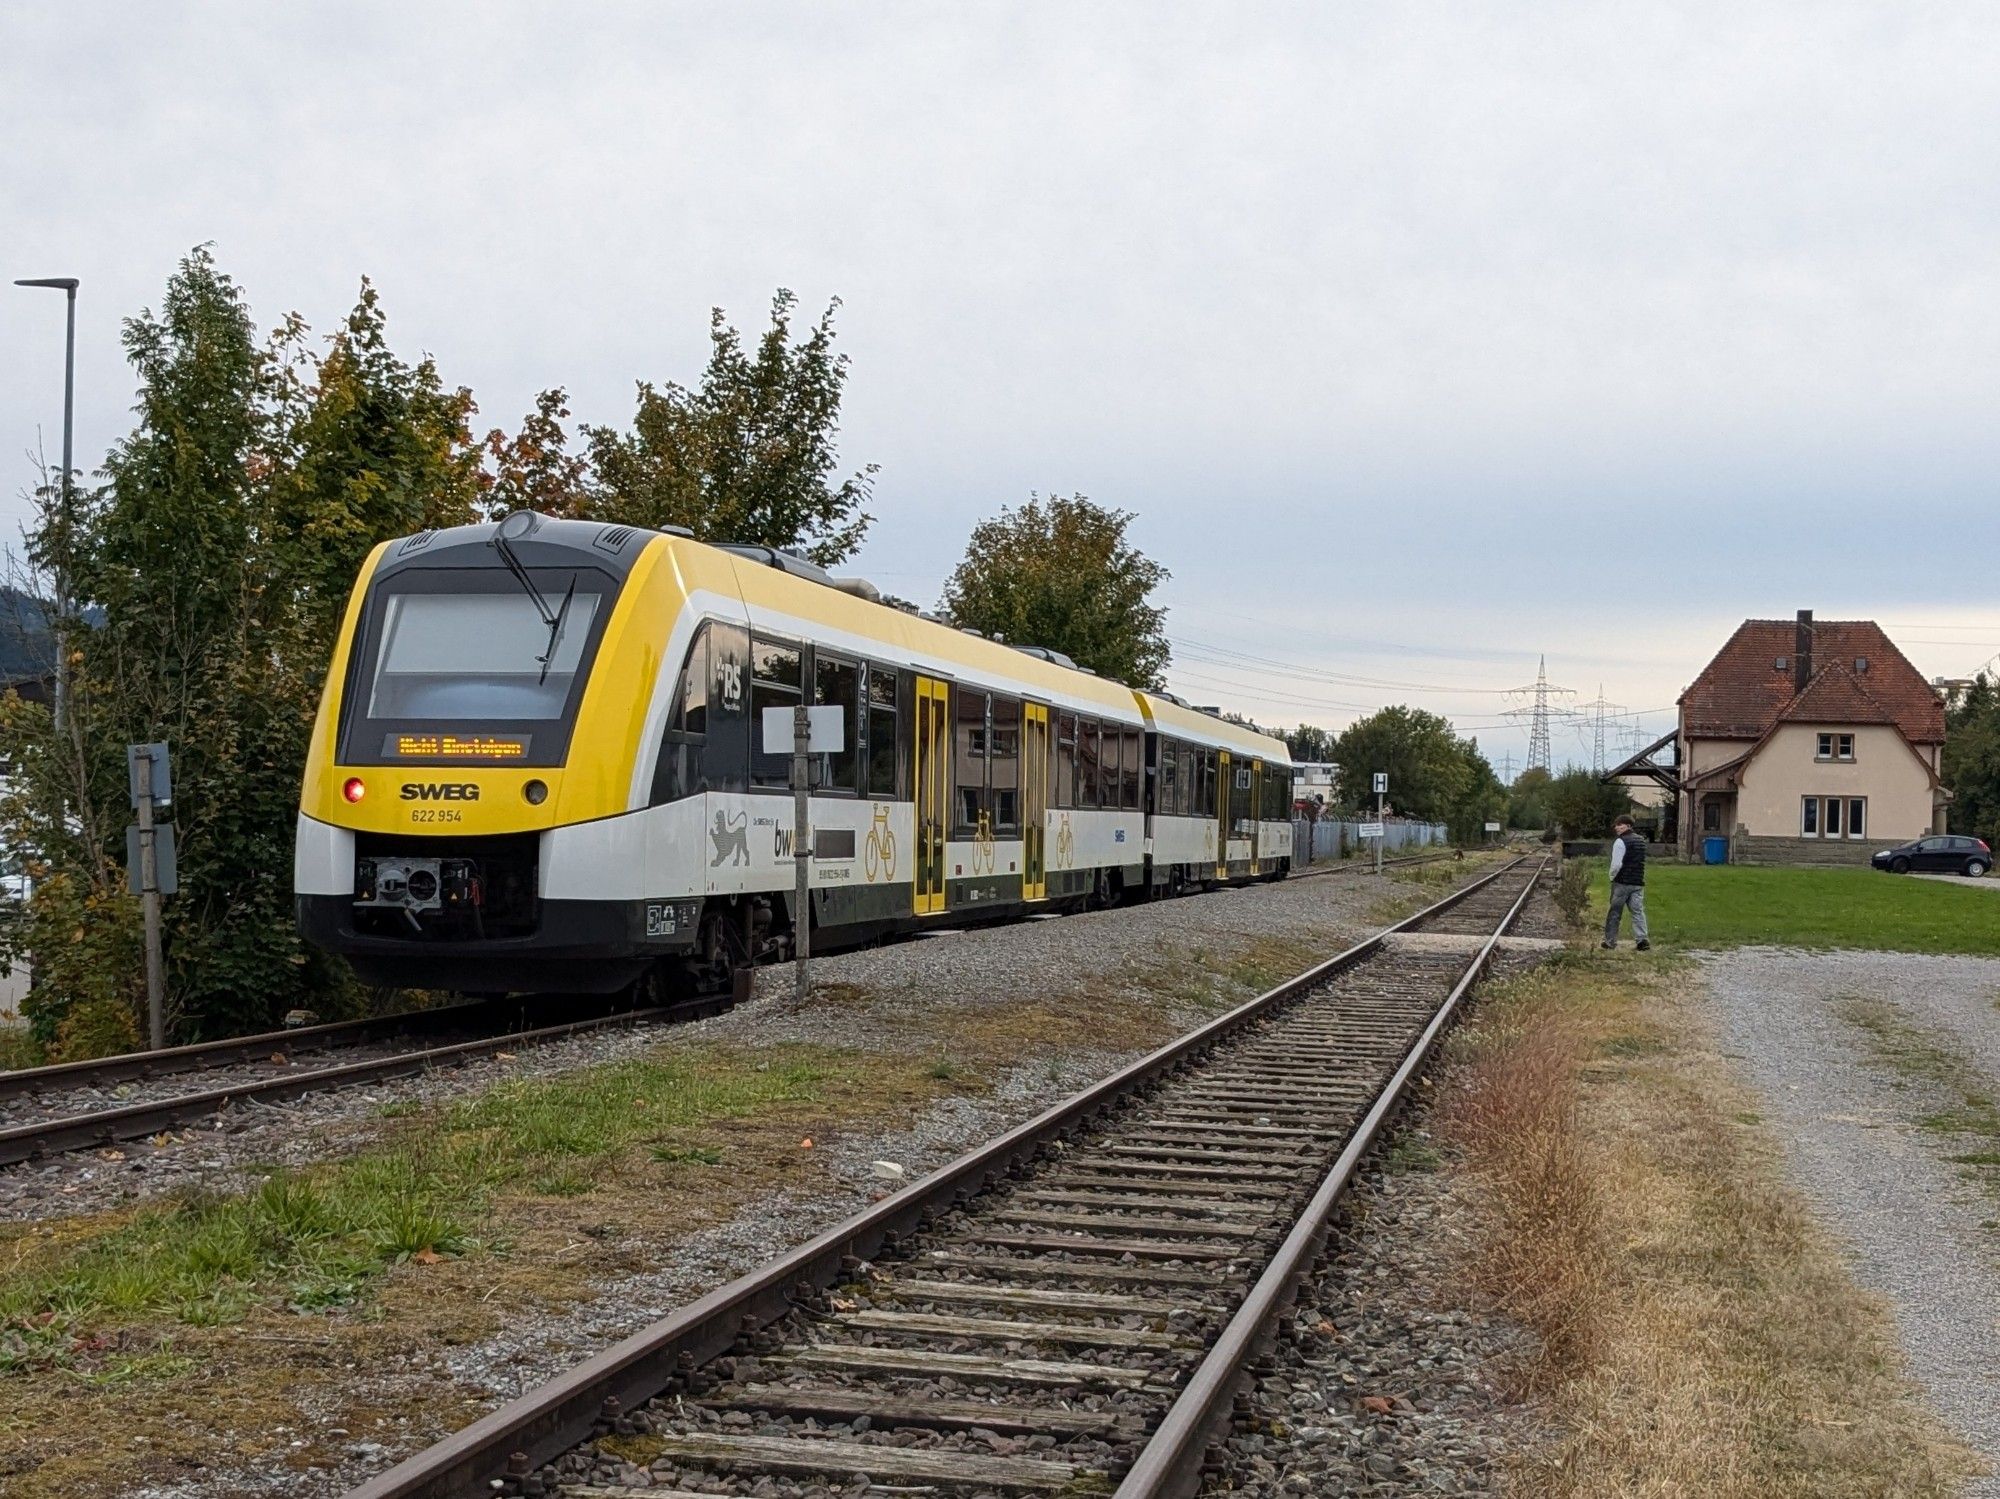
(1423, 339)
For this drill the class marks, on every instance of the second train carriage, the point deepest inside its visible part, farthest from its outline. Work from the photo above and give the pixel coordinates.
(536, 767)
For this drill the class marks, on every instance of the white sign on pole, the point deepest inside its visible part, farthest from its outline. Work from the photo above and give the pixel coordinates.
(1381, 782)
(1492, 827)
(829, 727)
(1371, 830)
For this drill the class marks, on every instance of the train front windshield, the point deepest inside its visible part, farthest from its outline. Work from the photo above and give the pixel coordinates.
(476, 656)
(467, 665)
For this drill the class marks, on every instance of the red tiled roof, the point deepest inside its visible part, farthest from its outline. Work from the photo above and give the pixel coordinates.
(1836, 695)
(1741, 693)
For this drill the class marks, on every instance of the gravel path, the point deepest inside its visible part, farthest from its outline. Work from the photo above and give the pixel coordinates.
(1920, 1233)
(887, 985)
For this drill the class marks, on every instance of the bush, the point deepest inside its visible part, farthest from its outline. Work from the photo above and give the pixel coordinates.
(1572, 893)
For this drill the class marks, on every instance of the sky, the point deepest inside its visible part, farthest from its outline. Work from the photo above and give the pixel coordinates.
(1422, 340)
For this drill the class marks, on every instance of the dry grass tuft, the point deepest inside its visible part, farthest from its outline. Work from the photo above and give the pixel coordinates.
(1700, 1334)
(1513, 1114)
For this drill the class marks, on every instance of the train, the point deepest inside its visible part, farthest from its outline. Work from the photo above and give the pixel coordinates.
(539, 766)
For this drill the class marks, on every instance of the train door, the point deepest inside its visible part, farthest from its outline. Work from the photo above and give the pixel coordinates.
(933, 802)
(1256, 813)
(1034, 801)
(1223, 776)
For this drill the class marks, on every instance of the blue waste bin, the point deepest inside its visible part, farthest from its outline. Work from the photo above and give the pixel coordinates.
(1715, 850)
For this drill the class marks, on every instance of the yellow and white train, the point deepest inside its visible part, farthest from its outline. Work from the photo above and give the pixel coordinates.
(536, 768)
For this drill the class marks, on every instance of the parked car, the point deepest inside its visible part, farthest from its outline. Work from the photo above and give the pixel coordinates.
(1947, 854)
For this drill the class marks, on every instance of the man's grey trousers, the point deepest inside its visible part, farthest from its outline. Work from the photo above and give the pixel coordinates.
(1621, 897)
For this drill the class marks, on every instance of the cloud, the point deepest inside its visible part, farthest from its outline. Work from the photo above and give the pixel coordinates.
(1384, 319)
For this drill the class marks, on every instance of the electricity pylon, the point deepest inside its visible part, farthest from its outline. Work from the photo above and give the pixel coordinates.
(1538, 712)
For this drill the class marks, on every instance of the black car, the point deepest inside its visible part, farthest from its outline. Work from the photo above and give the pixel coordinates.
(1946, 853)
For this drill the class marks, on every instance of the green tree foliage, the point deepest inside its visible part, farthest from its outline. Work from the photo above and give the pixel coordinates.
(535, 468)
(1971, 768)
(747, 455)
(1434, 776)
(1583, 806)
(1309, 743)
(1060, 573)
(1428, 765)
(1528, 799)
(213, 563)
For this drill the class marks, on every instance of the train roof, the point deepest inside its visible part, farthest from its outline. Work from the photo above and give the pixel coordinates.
(788, 601)
(1170, 717)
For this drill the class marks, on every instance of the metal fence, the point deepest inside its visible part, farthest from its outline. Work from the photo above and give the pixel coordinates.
(1315, 842)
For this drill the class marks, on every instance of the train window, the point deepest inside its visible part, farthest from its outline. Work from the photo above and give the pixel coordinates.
(882, 744)
(1065, 776)
(691, 708)
(1166, 779)
(1185, 790)
(1208, 768)
(775, 682)
(1004, 764)
(969, 757)
(1086, 763)
(838, 682)
(1130, 760)
(677, 771)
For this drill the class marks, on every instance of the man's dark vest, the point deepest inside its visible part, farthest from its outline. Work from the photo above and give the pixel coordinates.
(1632, 868)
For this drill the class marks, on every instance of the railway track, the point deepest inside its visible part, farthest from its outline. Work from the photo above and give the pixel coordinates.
(38, 1118)
(1366, 866)
(1070, 1306)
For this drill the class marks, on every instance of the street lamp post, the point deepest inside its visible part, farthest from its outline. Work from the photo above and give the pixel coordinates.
(68, 285)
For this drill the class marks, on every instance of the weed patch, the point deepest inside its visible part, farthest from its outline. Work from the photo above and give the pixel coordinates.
(1698, 1333)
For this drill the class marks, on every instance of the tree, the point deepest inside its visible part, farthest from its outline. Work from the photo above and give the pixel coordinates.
(1429, 766)
(1309, 743)
(749, 454)
(1060, 573)
(535, 469)
(1971, 767)
(214, 564)
(1583, 806)
(1528, 799)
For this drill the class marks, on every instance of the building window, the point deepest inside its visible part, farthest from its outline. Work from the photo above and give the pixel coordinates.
(1824, 816)
(1711, 816)
(1835, 747)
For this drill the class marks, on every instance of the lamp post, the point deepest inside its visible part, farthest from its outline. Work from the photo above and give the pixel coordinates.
(68, 285)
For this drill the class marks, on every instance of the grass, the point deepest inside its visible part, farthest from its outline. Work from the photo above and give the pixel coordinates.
(1966, 1112)
(317, 1238)
(1707, 906)
(1697, 1333)
(19, 1048)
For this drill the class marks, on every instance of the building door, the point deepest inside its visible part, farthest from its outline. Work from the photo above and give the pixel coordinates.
(933, 800)
(1223, 779)
(1034, 801)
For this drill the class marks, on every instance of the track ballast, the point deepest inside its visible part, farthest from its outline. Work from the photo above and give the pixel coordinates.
(1067, 1307)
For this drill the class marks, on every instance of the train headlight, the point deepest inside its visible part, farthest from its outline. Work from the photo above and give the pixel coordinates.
(354, 789)
(536, 792)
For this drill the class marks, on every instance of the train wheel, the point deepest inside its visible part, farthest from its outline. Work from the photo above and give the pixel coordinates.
(717, 946)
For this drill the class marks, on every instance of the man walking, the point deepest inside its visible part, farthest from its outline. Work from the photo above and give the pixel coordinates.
(1628, 882)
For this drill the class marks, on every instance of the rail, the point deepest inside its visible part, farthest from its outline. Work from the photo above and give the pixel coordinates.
(512, 1442)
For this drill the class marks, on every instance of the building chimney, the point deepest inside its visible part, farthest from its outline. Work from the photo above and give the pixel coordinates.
(1802, 655)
